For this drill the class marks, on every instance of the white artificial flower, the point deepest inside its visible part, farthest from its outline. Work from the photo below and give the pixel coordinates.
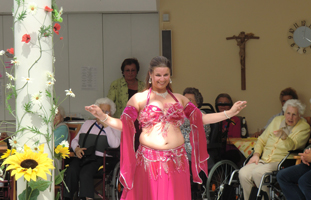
(10, 76)
(19, 149)
(70, 93)
(49, 83)
(9, 86)
(60, 11)
(64, 143)
(32, 8)
(2, 52)
(35, 148)
(36, 98)
(56, 109)
(27, 79)
(15, 62)
(50, 76)
(14, 142)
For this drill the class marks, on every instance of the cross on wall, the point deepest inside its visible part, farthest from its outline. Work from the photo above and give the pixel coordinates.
(241, 39)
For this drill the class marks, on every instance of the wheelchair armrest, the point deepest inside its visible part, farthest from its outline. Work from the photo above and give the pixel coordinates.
(294, 151)
(291, 152)
(249, 157)
(114, 152)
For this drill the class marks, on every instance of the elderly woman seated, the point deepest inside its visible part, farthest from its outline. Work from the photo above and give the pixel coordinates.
(196, 98)
(91, 133)
(288, 132)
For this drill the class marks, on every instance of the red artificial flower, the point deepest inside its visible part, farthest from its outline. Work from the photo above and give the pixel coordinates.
(11, 51)
(56, 28)
(26, 38)
(48, 9)
(61, 38)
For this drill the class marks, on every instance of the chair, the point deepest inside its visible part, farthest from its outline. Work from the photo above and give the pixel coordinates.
(8, 187)
(74, 129)
(268, 179)
(219, 169)
(215, 138)
(106, 175)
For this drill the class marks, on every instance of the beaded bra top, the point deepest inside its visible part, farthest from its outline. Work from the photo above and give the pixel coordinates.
(172, 113)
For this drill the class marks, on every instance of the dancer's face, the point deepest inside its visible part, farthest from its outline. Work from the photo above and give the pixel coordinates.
(160, 78)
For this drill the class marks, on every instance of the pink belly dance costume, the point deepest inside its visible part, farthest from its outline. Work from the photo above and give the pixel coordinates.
(153, 174)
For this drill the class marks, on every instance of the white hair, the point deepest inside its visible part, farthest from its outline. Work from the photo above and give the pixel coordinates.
(61, 111)
(295, 103)
(108, 101)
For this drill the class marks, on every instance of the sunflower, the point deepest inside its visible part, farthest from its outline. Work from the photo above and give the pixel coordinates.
(62, 151)
(29, 164)
(8, 153)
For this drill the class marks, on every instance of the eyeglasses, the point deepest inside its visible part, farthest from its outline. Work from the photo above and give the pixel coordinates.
(130, 71)
(223, 104)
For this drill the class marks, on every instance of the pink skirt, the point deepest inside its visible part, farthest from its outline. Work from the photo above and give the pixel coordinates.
(160, 175)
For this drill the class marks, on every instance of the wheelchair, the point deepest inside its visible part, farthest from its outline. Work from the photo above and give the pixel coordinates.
(220, 169)
(107, 177)
(112, 188)
(268, 179)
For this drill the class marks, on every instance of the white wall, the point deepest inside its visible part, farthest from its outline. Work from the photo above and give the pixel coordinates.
(101, 6)
(100, 41)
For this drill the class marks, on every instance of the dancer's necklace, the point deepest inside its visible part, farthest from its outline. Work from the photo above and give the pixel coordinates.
(161, 94)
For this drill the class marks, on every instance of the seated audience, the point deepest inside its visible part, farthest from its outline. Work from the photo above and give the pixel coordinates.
(196, 98)
(233, 128)
(286, 94)
(284, 133)
(61, 131)
(84, 173)
(295, 181)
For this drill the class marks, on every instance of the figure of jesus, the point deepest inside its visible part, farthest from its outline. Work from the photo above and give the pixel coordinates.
(241, 39)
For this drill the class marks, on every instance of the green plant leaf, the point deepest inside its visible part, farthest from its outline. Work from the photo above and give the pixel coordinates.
(22, 16)
(48, 94)
(60, 177)
(27, 107)
(9, 96)
(33, 194)
(57, 195)
(41, 185)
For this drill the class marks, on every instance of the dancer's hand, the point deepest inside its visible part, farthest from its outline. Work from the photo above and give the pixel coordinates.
(237, 107)
(96, 111)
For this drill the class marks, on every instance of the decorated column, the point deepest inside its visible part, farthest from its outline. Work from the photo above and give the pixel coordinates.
(33, 60)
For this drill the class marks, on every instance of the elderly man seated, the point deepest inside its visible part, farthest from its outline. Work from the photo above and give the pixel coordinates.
(288, 132)
(92, 132)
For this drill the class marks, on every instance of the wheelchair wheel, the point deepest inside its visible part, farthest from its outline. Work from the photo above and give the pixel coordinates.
(117, 187)
(218, 177)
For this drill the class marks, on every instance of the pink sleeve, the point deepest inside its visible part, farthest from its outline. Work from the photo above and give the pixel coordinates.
(127, 148)
(197, 136)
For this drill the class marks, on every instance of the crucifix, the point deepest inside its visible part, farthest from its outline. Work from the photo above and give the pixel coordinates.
(241, 39)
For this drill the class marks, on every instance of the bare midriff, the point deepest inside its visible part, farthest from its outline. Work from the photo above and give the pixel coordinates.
(156, 139)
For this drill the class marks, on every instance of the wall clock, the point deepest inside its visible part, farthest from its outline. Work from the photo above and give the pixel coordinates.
(299, 37)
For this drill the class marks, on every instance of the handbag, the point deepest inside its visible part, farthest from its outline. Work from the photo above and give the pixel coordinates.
(89, 154)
